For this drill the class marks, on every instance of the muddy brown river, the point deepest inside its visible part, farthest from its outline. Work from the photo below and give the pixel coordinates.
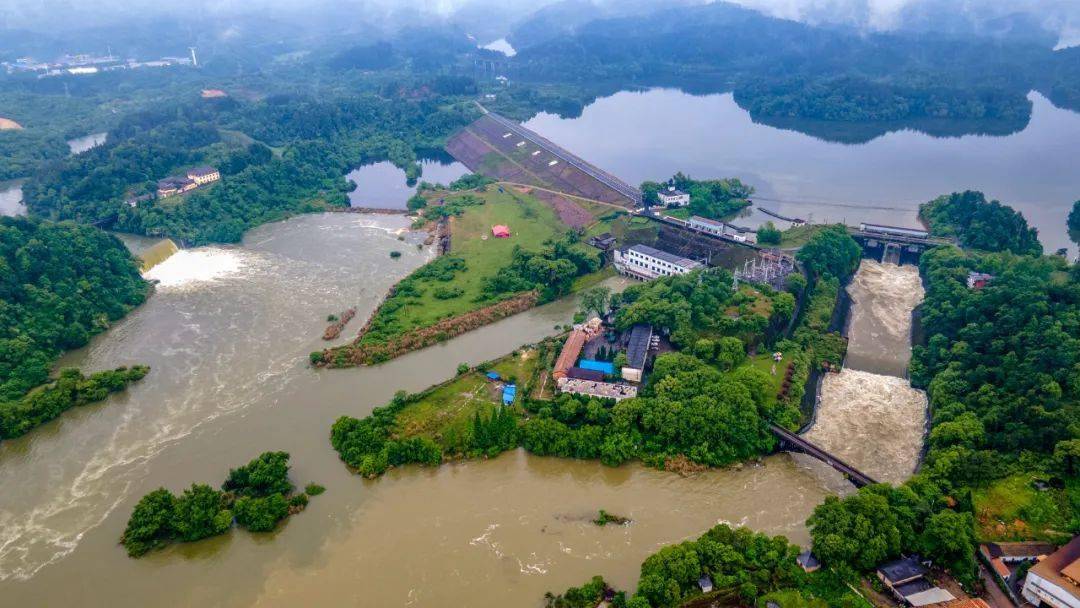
(227, 335)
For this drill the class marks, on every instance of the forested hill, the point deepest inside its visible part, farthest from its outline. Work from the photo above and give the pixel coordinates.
(60, 284)
(784, 69)
(980, 224)
(316, 141)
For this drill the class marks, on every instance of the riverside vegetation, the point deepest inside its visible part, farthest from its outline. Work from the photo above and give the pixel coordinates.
(1001, 369)
(256, 496)
(707, 405)
(1001, 366)
(481, 280)
(60, 285)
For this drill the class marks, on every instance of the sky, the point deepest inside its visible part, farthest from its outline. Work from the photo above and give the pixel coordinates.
(1061, 16)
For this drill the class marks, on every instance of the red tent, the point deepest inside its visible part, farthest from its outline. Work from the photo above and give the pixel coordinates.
(500, 231)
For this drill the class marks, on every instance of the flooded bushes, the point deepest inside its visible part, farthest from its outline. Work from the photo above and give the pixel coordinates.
(366, 444)
(256, 496)
(69, 390)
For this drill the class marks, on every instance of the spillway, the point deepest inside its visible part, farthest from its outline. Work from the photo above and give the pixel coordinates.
(869, 414)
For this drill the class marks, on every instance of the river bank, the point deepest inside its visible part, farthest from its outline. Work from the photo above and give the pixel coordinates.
(227, 334)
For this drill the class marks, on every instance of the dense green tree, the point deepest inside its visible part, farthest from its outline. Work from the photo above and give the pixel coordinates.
(860, 531)
(1074, 217)
(200, 512)
(265, 475)
(151, 523)
(261, 514)
(596, 300)
(948, 539)
(769, 234)
(980, 224)
(831, 251)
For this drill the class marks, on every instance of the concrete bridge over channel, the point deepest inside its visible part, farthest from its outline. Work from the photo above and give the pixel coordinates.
(790, 442)
(894, 240)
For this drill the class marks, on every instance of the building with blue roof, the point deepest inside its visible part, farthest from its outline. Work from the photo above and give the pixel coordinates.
(509, 393)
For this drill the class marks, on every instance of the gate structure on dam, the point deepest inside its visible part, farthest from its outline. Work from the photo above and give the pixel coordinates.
(893, 242)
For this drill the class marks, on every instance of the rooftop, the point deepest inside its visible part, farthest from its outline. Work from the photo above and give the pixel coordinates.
(665, 256)
(1061, 566)
(807, 559)
(671, 191)
(1019, 550)
(204, 170)
(917, 232)
(705, 220)
(902, 570)
(637, 347)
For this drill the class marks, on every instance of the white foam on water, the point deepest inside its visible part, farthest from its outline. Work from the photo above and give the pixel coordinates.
(201, 265)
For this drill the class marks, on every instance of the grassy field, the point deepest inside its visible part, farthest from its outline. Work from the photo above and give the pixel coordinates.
(442, 289)
(1012, 509)
(447, 411)
(530, 222)
(799, 235)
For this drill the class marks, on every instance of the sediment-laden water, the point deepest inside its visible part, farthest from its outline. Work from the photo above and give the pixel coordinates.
(227, 335)
(883, 297)
(868, 414)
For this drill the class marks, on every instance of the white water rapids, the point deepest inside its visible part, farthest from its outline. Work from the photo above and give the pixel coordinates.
(867, 414)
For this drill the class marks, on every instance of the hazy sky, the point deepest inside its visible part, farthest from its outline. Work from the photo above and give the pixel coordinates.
(1057, 15)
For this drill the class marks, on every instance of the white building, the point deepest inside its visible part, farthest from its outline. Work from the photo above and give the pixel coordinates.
(706, 225)
(673, 196)
(646, 263)
(1055, 581)
(203, 175)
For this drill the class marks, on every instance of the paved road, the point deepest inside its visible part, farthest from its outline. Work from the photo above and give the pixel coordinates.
(994, 595)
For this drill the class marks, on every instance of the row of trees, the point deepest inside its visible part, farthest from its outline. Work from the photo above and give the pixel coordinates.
(256, 496)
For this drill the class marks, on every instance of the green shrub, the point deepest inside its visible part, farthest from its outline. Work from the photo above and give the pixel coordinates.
(260, 514)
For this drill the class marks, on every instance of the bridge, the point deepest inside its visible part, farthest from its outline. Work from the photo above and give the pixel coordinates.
(893, 238)
(568, 157)
(790, 442)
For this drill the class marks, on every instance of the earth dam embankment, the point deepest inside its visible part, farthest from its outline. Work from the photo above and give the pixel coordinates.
(869, 414)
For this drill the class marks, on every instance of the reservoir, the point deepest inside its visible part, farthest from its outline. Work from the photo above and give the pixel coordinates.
(11, 198)
(227, 335)
(383, 186)
(652, 134)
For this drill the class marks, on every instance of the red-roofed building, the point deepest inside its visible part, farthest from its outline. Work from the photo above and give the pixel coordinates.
(500, 231)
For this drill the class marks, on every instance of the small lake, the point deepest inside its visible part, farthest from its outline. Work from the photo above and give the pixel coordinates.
(383, 186)
(11, 198)
(652, 134)
(86, 142)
